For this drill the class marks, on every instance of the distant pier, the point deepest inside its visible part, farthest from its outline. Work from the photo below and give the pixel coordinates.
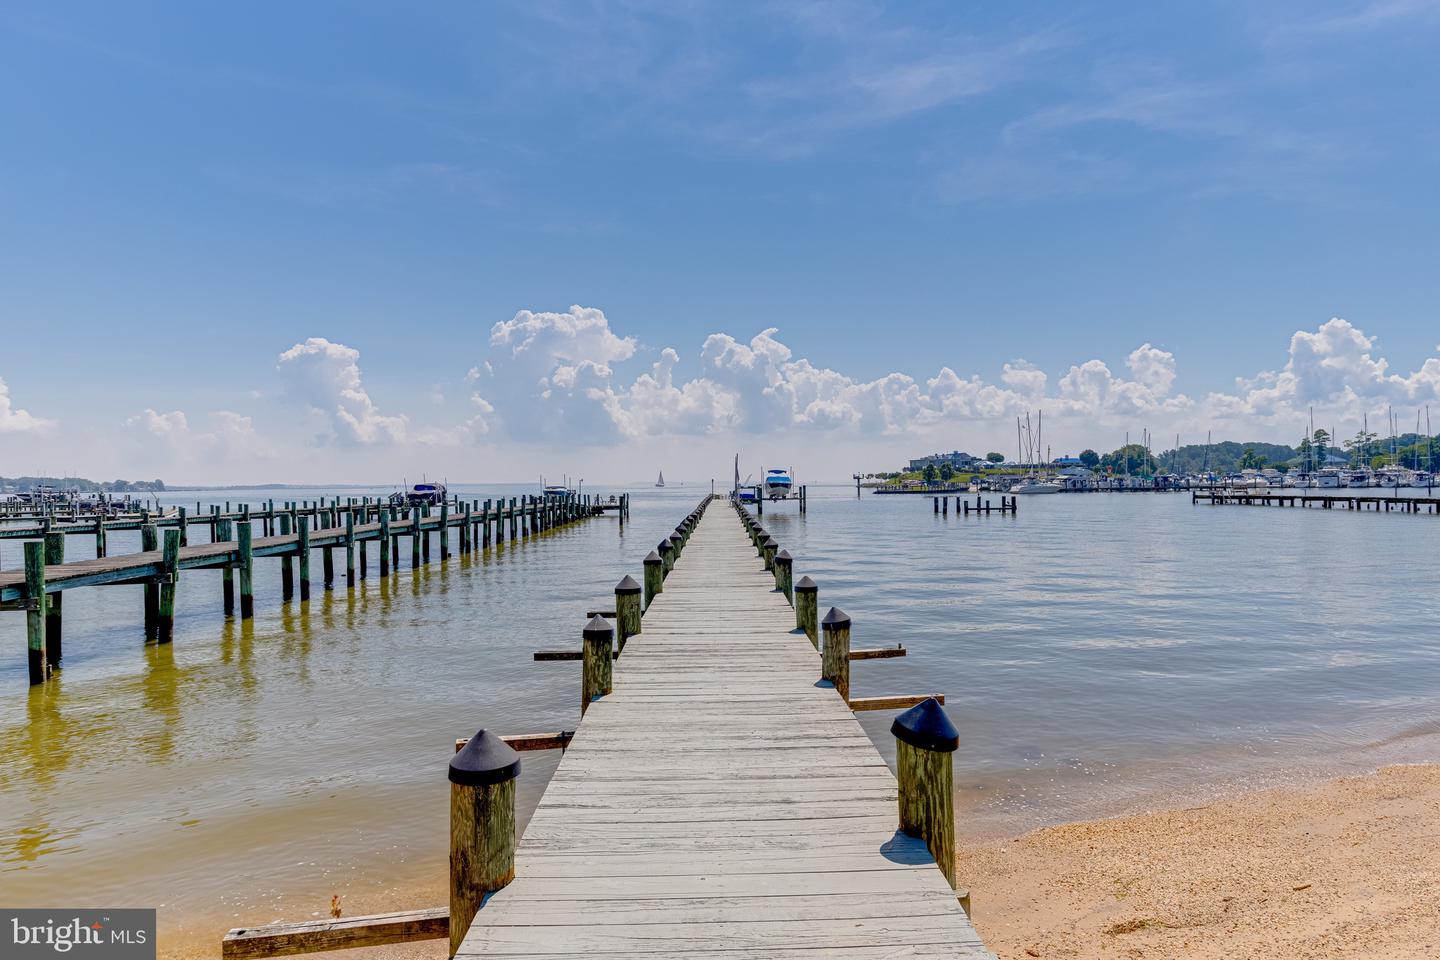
(1329, 501)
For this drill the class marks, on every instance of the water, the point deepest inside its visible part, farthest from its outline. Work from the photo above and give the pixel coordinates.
(1098, 652)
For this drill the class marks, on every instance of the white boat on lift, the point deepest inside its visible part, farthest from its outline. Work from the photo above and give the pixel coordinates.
(778, 484)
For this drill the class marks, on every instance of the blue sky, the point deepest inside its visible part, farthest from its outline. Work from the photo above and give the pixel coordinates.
(407, 203)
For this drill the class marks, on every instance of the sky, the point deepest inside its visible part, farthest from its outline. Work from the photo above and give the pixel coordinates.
(354, 242)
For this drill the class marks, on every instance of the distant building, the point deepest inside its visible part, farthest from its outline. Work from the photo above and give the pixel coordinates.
(956, 459)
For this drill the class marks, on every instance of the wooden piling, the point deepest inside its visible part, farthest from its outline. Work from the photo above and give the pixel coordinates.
(627, 609)
(598, 639)
(224, 532)
(287, 565)
(54, 556)
(247, 570)
(169, 580)
(925, 741)
(667, 554)
(835, 651)
(482, 827)
(350, 550)
(654, 576)
(39, 662)
(303, 549)
(784, 574)
(149, 542)
(807, 613)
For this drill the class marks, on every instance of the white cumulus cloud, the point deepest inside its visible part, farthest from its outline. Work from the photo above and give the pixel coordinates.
(15, 420)
(326, 376)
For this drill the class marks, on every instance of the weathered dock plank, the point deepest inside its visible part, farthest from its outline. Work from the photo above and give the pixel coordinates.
(721, 802)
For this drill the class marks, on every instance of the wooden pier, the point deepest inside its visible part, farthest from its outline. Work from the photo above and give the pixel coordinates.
(1325, 501)
(38, 589)
(718, 800)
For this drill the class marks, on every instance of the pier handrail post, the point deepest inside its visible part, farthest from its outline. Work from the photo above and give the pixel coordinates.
(35, 612)
(769, 546)
(54, 556)
(667, 554)
(246, 535)
(676, 545)
(654, 577)
(925, 740)
(150, 542)
(165, 626)
(835, 652)
(784, 572)
(627, 609)
(599, 639)
(807, 609)
(482, 827)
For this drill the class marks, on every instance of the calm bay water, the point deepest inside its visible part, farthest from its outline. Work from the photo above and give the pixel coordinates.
(1098, 652)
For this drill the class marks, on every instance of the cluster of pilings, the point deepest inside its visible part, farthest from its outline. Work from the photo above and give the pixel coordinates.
(291, 533)
(963, 505)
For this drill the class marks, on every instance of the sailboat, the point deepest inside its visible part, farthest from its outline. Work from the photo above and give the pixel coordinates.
(661, 482)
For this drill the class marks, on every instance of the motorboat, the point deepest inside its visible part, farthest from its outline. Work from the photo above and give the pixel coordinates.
(1327, 479)
(426, 493)
(778, 484)
(1036, 485)
(1421, 478)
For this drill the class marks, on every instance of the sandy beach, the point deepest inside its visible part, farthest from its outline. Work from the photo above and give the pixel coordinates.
(1345, 869)
(1350, 868)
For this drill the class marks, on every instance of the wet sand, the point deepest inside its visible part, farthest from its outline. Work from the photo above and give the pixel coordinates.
(1349, 868)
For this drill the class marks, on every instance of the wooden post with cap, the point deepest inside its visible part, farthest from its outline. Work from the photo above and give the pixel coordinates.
(768, 548)
(835, 652)
(925, 740)
(807, 609)
(598, 639)
(627, 609)
(482, 827)
(784, 575)
(667, 554)
(654, 577)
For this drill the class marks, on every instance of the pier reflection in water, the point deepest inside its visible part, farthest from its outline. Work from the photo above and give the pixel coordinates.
(1095, 651)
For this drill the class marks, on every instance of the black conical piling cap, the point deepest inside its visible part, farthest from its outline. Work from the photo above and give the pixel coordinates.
(806, 585)
(486, 759)
(665, 545)
(653, 557)
(675, 538)
(598, 629)
(783, 557)
(927, 727)
(769, 541)
(836, 618)
(628, 585)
